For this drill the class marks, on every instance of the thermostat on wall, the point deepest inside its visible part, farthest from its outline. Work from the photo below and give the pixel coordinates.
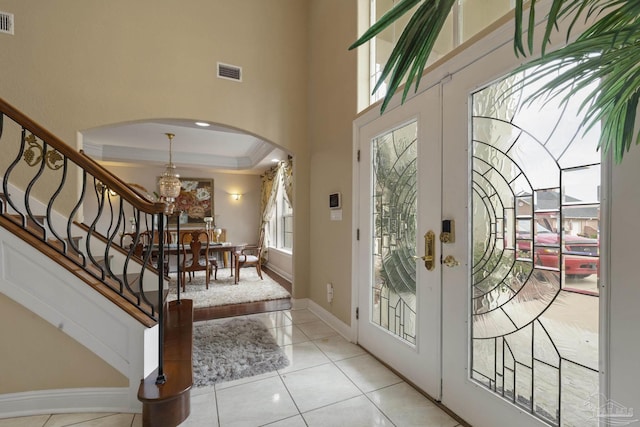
(335, 201)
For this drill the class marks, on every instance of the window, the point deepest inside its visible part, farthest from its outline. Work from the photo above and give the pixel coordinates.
(281, 224)
(468, 18)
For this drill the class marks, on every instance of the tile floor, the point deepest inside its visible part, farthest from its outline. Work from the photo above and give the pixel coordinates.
(329, 382)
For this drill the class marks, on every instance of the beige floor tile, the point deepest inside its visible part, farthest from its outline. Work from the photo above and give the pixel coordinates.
(116, 420)
(302, 356)
(302, 316)
(296, 421)
(407, 407)
(61, 420)
(316, 330)
(287, 335)
(329, 382)
(356, 412)
(319, 386)
(32, 421)
(203, 411)
(338, 348)
(367, 373)
(254, 404)
(273, 319)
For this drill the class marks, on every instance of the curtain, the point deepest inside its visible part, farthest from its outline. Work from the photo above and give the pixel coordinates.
(267, 203)
(287, 178)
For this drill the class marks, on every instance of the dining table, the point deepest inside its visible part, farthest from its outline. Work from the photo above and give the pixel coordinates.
(221, 247)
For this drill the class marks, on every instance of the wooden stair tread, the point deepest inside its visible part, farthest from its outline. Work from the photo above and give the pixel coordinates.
(169, 403)
(59, 244)
(35, 225)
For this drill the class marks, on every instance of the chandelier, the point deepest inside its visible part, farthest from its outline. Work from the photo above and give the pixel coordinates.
(169, 183)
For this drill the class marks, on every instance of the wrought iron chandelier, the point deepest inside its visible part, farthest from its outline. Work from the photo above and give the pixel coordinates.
(169, 182)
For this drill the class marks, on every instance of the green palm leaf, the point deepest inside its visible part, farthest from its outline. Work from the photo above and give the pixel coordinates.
(410, 54)
(604, 59)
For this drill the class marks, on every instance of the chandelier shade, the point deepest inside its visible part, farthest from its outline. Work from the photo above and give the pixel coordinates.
(169, 182)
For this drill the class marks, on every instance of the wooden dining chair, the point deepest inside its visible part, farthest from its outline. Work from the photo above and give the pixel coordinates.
(168, 239)
(195, 255)
(250, 255)
(127, 241)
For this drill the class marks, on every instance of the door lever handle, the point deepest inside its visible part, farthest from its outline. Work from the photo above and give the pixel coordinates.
(429, 251)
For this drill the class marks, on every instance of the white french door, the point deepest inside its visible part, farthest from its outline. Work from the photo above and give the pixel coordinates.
(399, 202)
(504, 326)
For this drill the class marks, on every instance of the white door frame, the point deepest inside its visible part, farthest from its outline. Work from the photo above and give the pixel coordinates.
(481, 407)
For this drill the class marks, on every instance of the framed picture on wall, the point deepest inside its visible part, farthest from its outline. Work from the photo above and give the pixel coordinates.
(195, 200)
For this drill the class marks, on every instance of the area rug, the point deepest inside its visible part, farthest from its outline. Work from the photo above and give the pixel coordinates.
(222, 291)
(231, 350)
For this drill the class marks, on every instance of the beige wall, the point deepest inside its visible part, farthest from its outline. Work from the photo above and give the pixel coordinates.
(47, 355)
(74, 65)
(240, 218)
(333, 96)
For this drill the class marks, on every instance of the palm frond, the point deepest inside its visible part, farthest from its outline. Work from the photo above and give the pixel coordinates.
(604, 59)
(387, 19)
(412, 50)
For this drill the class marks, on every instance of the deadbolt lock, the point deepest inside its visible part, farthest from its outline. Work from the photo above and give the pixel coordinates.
(448, 234)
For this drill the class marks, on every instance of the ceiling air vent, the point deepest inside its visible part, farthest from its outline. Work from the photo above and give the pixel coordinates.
(229, 72)
(6, 23)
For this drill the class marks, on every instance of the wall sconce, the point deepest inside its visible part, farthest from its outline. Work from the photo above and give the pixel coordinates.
(236, 196)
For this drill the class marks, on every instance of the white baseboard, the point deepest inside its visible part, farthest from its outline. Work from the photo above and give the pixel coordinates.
(299, 304)
(331, 320)
(279, 272)
(66, 401)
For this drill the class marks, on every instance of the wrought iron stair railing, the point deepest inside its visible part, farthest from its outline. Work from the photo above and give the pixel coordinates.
(49, 187)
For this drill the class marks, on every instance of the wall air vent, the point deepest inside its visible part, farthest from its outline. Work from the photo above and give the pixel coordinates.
(6, 23)
(229, 72)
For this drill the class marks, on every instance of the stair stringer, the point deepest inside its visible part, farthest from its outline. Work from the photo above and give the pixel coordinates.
(44, 287)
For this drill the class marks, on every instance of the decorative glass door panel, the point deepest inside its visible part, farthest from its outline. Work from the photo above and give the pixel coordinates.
(393, 288)
(398, 188)
(535, 253)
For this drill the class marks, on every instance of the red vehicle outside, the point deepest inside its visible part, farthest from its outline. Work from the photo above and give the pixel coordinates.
(580, 254)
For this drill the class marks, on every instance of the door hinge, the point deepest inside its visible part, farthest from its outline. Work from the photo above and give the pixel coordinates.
(357, 313)
(358, 155)
(357, 234)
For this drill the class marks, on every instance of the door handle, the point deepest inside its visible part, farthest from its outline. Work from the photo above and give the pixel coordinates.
(450, 261)
(429, 250)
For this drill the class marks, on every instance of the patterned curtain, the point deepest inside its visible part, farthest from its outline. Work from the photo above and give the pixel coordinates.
(267, 203)
(287, 178)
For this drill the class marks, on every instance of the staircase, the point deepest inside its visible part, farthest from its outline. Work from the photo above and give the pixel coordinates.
(61, 218)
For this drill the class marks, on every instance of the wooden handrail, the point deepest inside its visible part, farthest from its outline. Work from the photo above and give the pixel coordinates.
(85, 162)
(90, 262)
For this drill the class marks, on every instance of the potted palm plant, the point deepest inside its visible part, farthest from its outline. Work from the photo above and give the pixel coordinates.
(607, 53)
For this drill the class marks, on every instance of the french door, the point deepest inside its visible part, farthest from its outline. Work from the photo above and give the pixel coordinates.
(398, 266)
(500, 319)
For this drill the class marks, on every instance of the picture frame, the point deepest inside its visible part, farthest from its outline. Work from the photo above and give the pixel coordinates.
(195, 201)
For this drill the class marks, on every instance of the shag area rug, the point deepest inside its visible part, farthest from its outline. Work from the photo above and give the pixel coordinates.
(222, 291)
(231, 350)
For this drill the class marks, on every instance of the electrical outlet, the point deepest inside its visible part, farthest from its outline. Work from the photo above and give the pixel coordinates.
(329, 292)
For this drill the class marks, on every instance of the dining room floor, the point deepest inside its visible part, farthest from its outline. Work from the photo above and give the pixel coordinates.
(329, 382)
